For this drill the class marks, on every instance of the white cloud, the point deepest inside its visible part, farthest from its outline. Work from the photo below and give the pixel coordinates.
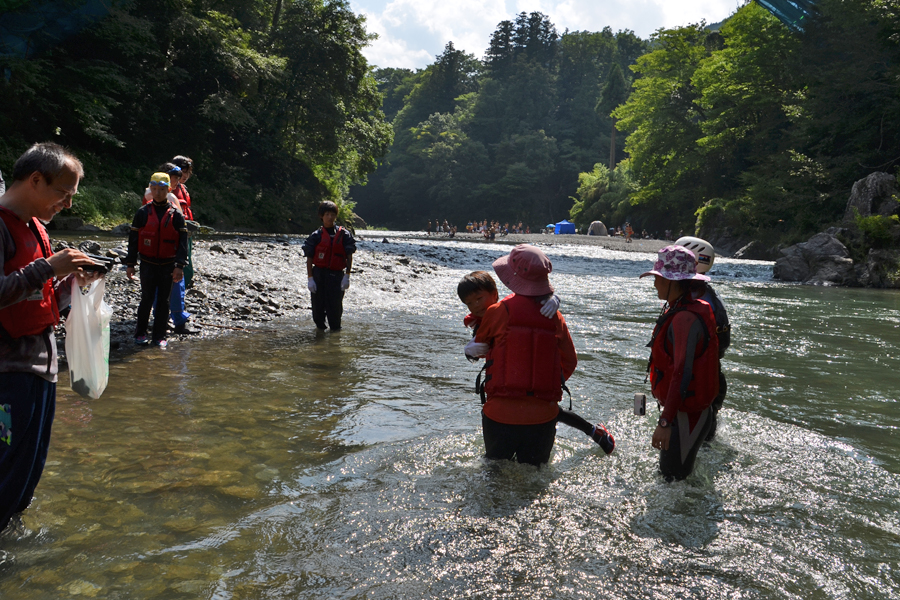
(412, 32)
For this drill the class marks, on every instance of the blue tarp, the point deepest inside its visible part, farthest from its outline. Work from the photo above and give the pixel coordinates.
(564, 227)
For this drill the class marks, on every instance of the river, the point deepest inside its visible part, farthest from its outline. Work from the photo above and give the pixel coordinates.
(285, 464)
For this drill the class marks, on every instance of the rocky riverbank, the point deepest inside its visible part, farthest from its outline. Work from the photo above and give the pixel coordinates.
(245, 282)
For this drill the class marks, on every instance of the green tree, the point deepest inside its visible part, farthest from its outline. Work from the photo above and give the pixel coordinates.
(663, 119)
(614, 94)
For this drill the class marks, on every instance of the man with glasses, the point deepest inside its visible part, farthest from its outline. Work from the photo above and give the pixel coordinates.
(159, 236)
(34, 284)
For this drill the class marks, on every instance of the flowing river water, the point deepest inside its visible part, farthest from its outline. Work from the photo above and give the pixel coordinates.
(285, 464)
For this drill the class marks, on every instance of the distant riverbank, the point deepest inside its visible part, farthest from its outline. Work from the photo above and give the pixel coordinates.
(602, 241)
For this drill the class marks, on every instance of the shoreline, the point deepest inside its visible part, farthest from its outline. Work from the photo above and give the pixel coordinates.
(243, 282)
(648, 246)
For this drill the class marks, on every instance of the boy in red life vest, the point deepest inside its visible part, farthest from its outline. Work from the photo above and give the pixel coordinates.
(684, 363)
(329, 252)
(528, 358)
(34, 284)
(159, 236)
(478, 291)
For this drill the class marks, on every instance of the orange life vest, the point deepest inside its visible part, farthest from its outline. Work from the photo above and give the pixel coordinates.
(525, 362)
(158, 239)
(704, 384)
(330, 253)
(32, 315)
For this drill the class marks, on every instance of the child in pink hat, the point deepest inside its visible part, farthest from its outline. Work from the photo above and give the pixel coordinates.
(684, 363)
(528, 358)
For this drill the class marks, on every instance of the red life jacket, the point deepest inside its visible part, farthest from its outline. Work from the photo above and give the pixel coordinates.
(526, 362)
(158, 238)
(704, 385)
(184, 199)
(32, 315)
(330, 254)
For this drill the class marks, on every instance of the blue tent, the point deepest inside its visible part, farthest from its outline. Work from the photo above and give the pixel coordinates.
(564, 227)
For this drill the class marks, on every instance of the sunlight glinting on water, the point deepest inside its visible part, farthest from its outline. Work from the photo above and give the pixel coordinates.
(291, 465)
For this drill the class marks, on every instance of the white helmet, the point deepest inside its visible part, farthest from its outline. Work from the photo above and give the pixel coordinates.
(702, 249)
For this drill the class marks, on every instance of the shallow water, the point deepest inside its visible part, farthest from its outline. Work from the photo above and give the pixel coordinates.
(290, 465)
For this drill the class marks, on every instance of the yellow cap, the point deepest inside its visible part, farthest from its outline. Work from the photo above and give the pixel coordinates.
(160, 179)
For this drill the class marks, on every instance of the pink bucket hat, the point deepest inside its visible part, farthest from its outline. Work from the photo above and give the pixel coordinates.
(525, 271)
(676, 263)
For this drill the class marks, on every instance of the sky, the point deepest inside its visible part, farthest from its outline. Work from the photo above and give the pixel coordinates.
(412, 32)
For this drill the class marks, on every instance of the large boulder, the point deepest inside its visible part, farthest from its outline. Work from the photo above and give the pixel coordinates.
(873, 195)
(65, 224)
(792, 266)
(881, 269)
(822, 260)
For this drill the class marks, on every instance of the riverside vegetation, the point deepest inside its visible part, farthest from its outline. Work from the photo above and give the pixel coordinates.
(743, 130)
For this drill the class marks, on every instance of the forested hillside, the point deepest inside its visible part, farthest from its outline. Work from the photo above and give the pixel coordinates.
(758, 131)
(273, 101)
(500, 138)
(747, 131)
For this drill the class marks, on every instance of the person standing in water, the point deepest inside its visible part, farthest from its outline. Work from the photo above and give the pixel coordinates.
(702, 290)
(684, 363)
(478, 292)
(34, 284)
(329, 253)
(528, 359)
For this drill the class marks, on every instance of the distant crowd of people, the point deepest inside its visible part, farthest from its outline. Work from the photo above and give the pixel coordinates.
(488, 229)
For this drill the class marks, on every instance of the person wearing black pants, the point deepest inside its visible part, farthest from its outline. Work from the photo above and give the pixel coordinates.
(328, 301)
(329, 251)
(156, 282)
(35, 283)
(159, 236)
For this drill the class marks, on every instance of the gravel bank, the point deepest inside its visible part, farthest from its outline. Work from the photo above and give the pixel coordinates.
(243, 282)
(611, 243)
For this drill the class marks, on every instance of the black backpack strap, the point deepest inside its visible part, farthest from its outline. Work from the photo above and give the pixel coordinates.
(562, 382)
(479, 384)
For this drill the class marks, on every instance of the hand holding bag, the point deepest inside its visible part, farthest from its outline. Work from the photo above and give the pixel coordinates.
(87, 339)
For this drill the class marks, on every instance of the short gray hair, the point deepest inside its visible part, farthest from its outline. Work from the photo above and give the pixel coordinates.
(48, 159)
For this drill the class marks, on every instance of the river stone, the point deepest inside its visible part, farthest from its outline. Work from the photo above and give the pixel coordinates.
(83, 588)
(791, 268)
(872, 195)
(65, 223)
(217, 248)
(122, 229)
(823, 244)
(90, 247)
(881, 269)
(832, 270)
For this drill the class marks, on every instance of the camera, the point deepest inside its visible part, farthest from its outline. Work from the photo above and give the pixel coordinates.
(102, 264)
(640, 404)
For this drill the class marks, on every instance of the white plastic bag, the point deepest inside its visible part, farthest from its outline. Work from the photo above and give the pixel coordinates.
(87, 339)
